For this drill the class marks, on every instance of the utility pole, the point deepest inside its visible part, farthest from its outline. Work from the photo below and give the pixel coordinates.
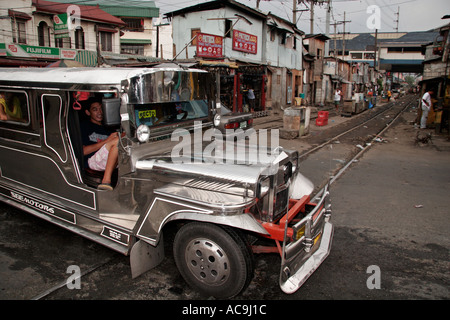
(343, 37)
(335, 36)
(327, 29)
(335, 49)
(375, 51)
(398, 18)
(294, 12)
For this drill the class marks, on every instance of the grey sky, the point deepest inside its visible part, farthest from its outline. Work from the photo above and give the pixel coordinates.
(414, 15)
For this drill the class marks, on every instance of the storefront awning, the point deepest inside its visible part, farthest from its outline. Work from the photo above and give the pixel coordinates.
(8, 62)
(206, 63)
(135, 41)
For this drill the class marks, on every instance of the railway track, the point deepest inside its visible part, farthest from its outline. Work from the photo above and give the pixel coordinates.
(397, 108)
(391, 111)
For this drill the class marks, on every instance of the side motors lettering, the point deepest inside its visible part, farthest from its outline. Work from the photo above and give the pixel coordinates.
(32, 203)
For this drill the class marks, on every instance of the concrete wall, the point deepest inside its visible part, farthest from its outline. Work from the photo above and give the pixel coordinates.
(182, 26)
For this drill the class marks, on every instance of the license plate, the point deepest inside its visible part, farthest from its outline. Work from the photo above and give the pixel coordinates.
(243, 124)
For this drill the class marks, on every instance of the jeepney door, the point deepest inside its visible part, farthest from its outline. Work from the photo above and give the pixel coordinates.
(50, 169)
(62, 167)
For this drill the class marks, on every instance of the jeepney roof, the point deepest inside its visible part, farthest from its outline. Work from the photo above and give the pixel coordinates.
(95, 76)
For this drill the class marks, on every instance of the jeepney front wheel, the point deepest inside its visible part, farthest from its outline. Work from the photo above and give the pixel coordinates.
(213, 260)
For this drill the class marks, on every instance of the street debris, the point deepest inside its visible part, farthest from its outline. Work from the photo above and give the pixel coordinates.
(423, 140)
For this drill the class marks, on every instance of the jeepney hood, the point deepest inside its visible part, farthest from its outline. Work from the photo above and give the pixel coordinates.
(238, 179)
(243, 174)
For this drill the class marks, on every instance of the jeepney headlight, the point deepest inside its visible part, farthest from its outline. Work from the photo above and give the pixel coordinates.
(288, 171)
(124, 98)
(263, 194)
(143, 133)
(217, 120)
(294, 163)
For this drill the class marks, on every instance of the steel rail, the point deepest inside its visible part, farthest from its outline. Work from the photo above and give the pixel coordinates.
(332, 179)
(352, 129)
(64, 283)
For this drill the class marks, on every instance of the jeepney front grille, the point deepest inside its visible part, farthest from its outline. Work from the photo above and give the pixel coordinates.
(280, 203)
(274, 203)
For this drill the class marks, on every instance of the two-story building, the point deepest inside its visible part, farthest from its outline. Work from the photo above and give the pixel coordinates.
(37, 32)
(249, 49)
(318, 84)
(140, 35)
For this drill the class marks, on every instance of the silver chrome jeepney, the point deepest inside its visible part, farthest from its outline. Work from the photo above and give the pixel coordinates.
(223, 209)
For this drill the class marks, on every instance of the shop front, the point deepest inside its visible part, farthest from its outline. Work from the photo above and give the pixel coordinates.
(242, 86)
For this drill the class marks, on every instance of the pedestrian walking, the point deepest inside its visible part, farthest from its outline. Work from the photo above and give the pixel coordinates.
(426, 107)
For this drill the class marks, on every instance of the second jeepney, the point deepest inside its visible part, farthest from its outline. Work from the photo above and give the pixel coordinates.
(227, 200)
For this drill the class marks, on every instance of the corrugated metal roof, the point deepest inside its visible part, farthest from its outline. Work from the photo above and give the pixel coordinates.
(87, 12)
(135, 41)
(136, 12)
(135, 9)
(408, 39)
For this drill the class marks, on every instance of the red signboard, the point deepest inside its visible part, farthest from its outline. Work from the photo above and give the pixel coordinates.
(245, 42)
(209, 46)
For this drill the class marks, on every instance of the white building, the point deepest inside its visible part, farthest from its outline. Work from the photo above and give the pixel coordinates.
(254, 49)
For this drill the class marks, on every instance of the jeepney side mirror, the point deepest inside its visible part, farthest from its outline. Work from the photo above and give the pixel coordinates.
(111, 112)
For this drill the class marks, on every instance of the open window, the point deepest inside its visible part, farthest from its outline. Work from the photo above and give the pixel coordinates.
(14, 107)
(76, 115)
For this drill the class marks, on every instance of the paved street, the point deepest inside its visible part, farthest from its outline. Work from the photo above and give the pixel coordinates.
(390, 212)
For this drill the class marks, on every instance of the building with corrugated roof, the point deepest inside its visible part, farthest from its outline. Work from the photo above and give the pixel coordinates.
(39, 32)
(138, 35)
(395, 51)
(250, 50)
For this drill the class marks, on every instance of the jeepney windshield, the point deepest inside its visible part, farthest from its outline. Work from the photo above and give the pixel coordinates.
(168, 96)
(169, 112)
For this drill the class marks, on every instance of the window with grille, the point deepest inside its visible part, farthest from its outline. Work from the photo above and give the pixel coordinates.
(132, 49)
(19, 31)
(136, 25)
(106, 41)
(43, 34)
(79, 38)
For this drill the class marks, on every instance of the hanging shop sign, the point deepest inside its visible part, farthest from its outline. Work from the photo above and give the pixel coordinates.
(60, 26)
(245, 42)
(209, 46)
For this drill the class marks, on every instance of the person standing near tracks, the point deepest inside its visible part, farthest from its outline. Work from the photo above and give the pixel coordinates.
(337, 98)
(426, 107)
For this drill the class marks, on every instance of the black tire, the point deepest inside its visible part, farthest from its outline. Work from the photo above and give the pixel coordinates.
(213, 260)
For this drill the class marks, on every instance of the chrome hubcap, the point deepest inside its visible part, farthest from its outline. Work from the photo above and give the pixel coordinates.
(207, 261)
